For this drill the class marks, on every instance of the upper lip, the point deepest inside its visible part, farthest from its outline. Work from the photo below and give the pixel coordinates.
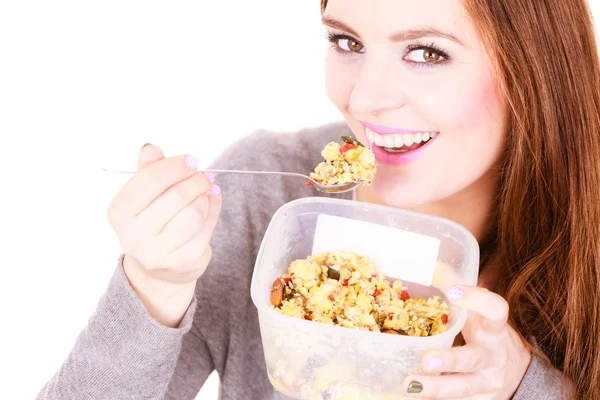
(387, 129)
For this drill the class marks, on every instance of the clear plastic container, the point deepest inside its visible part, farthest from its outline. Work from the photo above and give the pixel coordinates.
(310, 360)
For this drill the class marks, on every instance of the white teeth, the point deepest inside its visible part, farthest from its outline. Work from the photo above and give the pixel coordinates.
(370, 136)
(388, 141)
(397, 141)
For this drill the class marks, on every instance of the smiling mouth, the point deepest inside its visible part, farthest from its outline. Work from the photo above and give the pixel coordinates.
(400, 142)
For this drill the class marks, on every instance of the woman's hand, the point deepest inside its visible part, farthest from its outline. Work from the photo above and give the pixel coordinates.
(164, 217)
(492, 363)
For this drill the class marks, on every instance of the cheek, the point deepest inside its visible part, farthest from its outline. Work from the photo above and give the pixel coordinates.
(472, 105)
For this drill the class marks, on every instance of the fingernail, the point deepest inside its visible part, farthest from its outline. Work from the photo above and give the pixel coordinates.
(435, 364)
(216, 190)
(147, 144)
(455, 293)
(210, 177)
(414, 387)
(191, 162)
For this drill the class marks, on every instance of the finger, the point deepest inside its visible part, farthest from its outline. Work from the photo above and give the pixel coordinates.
(186, 224)
(468, 358)
(444, 276)
(491, 307)
(184, 260)
(197, 219)
(181, 229)
(203, 235)
(448, 386)
(151, 181)
(166, 206)
(149, 154)
(215, 204)
(187, 263)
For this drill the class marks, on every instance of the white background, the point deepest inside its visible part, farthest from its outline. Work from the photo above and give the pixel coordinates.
(83, 85)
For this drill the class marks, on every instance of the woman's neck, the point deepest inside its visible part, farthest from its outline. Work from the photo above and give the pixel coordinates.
(473, 207)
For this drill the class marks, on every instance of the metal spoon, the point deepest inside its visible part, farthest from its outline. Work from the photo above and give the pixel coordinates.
(342, 188)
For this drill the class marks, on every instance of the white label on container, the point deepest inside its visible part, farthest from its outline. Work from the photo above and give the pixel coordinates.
(398, 254)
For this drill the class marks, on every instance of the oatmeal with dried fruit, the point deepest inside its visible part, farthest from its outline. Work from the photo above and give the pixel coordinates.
(348, 163)
(345, 289)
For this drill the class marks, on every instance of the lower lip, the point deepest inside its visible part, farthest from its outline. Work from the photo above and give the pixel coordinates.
(389, 158)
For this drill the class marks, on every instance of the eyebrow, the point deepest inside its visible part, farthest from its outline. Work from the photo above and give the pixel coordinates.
(409, 34)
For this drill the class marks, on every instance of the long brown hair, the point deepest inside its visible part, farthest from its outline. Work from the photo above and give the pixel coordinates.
(547, 230)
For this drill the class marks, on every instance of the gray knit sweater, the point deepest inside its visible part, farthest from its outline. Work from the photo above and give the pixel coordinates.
(124, 354)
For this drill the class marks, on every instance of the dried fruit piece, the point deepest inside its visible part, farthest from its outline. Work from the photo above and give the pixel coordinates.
(333, 274)
(345, 282)
(308, 318)
(308, 184)
(404, 295)
(331, 298)
(376, 293)
(444, 319)
(346, 147)
(302, 299)
(277, 292)
(349, 140)
(391, 315)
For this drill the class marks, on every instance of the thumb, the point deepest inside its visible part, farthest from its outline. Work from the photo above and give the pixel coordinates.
(149, 154)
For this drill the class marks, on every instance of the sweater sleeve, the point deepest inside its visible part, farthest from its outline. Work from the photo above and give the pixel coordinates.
(542, 382)
(123, 353)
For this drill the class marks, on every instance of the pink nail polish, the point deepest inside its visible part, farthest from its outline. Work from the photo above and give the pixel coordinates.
(435, 364)
(191, 162)
(216, 190)
(455, 293)
(210, 176)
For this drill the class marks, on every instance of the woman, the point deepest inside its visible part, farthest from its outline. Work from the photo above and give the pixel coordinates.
(480, 111)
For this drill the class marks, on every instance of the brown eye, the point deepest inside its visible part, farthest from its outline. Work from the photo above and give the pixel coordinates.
(350, 45)
(425, 56)
(355, 46)
(431, 56)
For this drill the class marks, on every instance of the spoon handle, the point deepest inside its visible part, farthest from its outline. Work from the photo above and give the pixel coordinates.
(226, 171)
(229, 171)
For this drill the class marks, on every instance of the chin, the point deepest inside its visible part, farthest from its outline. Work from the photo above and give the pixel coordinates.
(397, 192)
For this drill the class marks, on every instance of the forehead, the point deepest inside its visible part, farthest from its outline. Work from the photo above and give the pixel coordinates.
(377, 18)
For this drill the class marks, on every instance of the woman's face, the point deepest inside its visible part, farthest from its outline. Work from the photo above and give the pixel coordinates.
(413, 80)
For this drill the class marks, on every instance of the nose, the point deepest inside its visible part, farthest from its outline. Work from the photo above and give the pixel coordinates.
(378, 89)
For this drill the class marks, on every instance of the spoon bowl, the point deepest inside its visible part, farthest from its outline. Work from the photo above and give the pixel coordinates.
(342, 188)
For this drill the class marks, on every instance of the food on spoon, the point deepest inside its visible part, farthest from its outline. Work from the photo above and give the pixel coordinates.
(346, 289)
(350, 162)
